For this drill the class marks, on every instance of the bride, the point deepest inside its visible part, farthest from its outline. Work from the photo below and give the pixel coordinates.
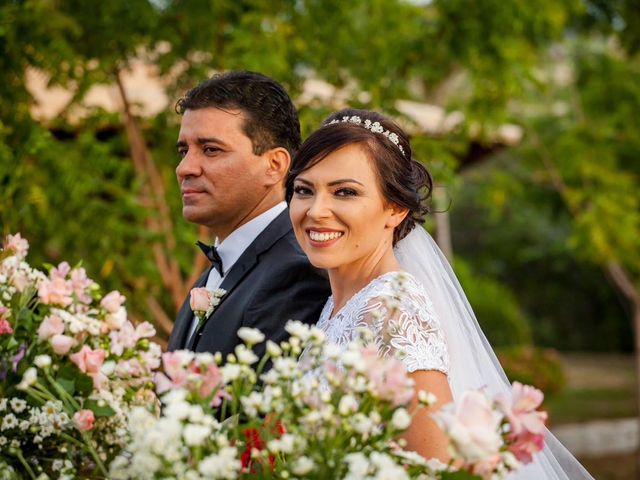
(356, 200)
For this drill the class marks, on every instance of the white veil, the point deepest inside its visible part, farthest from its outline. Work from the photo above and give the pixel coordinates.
(473, 364)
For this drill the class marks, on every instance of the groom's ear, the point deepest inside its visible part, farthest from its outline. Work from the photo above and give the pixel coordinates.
(278, 162)
(396, 215)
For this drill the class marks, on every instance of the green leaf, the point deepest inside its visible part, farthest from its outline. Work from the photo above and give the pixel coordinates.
(99, 411)
(68, 385)
(459, 475)
(84, 384)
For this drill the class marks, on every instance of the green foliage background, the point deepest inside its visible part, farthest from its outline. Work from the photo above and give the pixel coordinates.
(536, 226)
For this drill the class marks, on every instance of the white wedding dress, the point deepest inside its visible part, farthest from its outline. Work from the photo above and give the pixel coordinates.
(401, 318)
(424, 317)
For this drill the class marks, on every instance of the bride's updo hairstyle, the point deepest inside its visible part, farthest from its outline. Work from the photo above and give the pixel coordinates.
(403, 181)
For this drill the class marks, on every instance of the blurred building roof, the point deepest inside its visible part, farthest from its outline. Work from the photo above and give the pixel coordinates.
(148, 97)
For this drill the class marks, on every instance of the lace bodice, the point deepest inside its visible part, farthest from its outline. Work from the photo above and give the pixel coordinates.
(398, 312)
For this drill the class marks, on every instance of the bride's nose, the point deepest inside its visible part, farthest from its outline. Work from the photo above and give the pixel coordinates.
(319, 207)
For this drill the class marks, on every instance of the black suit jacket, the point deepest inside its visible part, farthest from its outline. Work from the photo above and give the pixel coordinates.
(269, 284)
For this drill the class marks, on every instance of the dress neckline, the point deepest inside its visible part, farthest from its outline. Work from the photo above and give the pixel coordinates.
(359, 293)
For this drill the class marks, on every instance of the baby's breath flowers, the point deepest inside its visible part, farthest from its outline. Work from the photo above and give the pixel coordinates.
(71, 367)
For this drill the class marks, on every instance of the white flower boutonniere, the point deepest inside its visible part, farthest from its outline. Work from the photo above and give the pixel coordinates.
(204, 301)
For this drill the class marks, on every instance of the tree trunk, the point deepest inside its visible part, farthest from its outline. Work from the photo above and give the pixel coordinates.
(630, 290)
(443, 224)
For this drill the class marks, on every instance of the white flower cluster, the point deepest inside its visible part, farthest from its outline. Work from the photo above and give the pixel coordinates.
(39, 422)
(374, 127)
(290, 422)
(164, 446)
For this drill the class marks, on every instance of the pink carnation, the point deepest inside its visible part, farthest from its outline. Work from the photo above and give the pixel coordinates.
(473, 428)
(81, 284)
(527, 430)
(89, 362)
(521, 410)
(61, 344)
(16, 244)
(61, 271)
(388, 375)
(55, 291)
(112, 301)
(83, 420)
(50, 326)
(5, 327)
(526, 445)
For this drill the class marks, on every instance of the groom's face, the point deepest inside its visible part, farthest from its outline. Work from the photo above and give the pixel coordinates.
(221, 179)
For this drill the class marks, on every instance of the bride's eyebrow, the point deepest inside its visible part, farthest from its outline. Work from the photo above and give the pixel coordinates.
(344, 180)
(302, 180)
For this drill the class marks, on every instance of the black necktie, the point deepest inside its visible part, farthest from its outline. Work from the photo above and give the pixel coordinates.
(212, 254)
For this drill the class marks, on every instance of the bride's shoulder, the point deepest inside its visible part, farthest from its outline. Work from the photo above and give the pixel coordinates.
(399, 287)
(396, 283)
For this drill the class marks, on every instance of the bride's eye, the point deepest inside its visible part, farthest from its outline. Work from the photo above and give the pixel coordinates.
(301, 191)
(346, 192)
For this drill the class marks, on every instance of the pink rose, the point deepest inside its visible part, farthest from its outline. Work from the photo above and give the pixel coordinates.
(112, 301)
(61, 344)
(472, 426)
(16, 244)
(56, 291)
(200, 300)
(50, 326)
(89, 361)
(83, 420)
(5, 327)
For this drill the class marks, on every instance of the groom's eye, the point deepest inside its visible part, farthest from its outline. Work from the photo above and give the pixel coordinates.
(210, 150)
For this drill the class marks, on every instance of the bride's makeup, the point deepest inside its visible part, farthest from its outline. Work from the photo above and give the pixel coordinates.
(338, 212)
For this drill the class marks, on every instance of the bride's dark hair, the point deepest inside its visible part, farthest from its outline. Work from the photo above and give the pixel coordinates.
(403, 181)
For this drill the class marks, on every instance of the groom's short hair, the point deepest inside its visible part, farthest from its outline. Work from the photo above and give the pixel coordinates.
(271, 118)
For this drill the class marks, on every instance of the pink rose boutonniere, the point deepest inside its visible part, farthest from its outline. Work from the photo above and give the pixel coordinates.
(204, 301)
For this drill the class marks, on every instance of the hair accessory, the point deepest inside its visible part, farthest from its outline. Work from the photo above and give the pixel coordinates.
(375, 127)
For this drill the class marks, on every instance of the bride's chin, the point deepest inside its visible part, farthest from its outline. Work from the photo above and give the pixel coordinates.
(323, 263)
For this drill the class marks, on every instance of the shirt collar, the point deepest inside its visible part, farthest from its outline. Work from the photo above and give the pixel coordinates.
(235, 244)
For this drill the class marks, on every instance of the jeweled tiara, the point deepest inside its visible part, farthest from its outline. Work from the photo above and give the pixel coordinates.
(375, 127)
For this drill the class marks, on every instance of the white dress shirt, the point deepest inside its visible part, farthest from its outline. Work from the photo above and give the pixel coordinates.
(232, 247)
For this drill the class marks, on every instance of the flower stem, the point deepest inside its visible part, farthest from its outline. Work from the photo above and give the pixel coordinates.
(86, 445)
(18, 453)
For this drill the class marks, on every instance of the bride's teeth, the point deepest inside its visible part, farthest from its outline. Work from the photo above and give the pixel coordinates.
(323, 237)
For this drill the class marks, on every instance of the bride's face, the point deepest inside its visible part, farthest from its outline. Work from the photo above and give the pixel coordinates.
(338, 211)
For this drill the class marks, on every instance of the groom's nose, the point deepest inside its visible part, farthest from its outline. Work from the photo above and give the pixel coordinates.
(189, 166)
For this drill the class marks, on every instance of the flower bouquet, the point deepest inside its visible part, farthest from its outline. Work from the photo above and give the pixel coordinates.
(331, 413)
(71, 369)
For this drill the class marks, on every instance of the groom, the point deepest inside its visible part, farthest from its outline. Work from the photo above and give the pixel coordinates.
(237, 135)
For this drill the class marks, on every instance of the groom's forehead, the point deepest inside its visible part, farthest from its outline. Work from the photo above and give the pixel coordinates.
(221, 121)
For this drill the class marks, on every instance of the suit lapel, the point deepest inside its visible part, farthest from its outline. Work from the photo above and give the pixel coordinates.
(278, 228)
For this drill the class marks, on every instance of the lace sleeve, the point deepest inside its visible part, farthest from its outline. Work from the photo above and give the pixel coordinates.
(404, 324)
